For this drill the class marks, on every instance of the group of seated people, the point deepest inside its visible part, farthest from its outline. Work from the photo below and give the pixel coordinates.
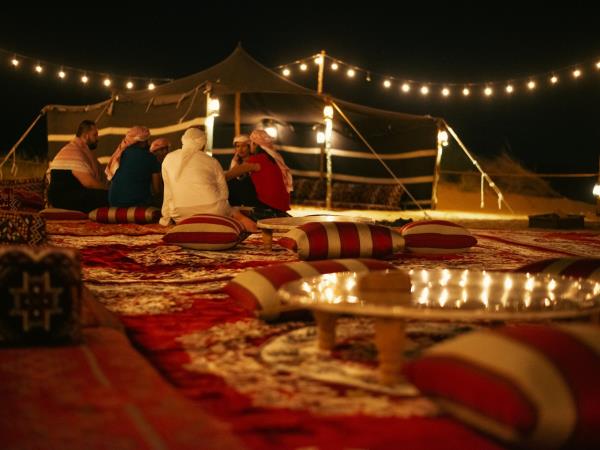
(183, 182)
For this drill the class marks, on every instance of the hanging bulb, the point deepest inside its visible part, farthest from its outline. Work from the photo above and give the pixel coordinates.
(84, 79)
(151, 86)
(15, 62)
(368, 78)
(38, 68)
(386, 83)
(405, 87)
(61, 74)
(286, 72)
(107, 82)
(129, 85)
(351, 73)
(466, 92)
(334, 66)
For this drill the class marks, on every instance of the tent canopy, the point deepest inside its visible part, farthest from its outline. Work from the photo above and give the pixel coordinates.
(407, 143)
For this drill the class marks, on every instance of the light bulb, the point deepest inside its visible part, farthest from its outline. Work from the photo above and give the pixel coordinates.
(387, 84)
(351, 73)
(129, 85)
(286, 72)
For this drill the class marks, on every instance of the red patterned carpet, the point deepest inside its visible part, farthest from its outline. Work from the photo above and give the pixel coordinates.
(230, 363)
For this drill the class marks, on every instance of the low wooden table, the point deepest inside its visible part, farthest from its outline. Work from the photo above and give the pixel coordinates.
(267, 226)
(439, 295)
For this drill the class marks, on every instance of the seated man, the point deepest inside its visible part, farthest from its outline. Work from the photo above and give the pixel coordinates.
(194, 183)
(134, 172)
(76, 180)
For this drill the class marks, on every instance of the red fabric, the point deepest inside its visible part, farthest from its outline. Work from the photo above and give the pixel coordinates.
(98, 395)
(127, 264)
(268, 182)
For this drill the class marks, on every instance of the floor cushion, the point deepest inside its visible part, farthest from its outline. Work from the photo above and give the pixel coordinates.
(256, 289)
(436, 236)
(327, 240)
(206, 232)
(535, 386)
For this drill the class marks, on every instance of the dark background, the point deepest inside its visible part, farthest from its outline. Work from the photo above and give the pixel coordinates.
(553, 129)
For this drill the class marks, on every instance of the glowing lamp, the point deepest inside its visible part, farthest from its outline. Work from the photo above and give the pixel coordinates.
(271, 130)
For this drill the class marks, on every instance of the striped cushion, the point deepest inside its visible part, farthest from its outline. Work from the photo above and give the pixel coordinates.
(531, 385)
(325, 240)
(206, 232)
(134, 214)
(437, 236)
(256, 289)
(571, 267)
(62, 214)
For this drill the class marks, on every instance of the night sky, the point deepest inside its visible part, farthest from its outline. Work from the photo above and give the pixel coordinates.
(552, 129)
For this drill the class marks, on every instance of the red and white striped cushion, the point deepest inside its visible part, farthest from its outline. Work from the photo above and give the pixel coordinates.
(256, 289)
(134, 214)
(531, 385)
(206, 232)
(62, 214)
(436, 236)
(325, 240)
(571, 267)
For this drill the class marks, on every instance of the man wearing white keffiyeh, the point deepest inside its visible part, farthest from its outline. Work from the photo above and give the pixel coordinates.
(194, 183)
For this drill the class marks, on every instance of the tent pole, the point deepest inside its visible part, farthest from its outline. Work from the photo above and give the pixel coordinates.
(238, 98)
(328, 119)
(436, 170)
(13, 150)
(321, 71)
(379, 158)
(209, 123)
(476, 164)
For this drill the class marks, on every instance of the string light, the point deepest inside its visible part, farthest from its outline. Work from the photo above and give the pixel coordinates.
(63, 72)
(444, 89)
(286, 72)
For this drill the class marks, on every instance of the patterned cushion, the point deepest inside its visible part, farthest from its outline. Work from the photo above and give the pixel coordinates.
(40, 290)
(22, 228)
(256, 289)
(25, 194)
(531, 385)
(571, 267)
(134, 214)
(325, 240)
(62, 214)
(206, 232)
(436, 236)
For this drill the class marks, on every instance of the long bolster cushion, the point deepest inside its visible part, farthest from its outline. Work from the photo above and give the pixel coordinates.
(256, 289)
(326, 240)
(532, 386)
(134, 214)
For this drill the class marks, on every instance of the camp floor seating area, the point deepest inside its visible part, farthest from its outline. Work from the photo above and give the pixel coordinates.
(193, 368)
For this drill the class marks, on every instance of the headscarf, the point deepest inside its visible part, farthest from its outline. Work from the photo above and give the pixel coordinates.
(78, 157)
(239, 138)
(135, 134)
(159, 144)
(261, 138)
(193, 140)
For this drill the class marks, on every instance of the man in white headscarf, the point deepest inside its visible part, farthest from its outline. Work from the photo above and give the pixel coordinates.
(194, 183)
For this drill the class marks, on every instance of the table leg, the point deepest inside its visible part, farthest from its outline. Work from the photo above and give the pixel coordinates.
(389, 340)
(267, 236)
(325, 329)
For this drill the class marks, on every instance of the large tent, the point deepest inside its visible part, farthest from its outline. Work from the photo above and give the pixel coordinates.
(250, 96)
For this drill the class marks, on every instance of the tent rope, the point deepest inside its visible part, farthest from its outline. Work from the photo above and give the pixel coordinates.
(379, 158)
(484, 175)
(187, 111)
(12, 151)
